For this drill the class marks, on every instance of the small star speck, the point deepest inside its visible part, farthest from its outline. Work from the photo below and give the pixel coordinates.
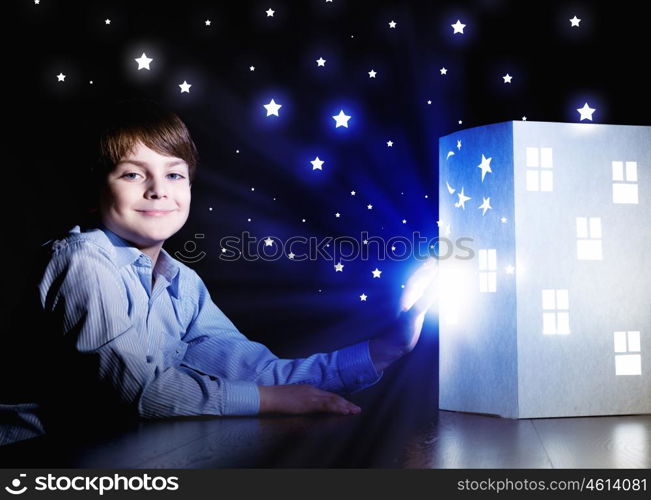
(270, 12)
(61, 77)
(392, 24)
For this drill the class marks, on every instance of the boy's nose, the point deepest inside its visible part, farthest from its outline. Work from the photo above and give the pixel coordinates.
(155, 190)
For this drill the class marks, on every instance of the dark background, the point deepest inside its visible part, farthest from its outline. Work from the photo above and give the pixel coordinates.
(299, 307)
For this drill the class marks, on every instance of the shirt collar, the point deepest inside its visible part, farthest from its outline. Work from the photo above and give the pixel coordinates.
(127, 254)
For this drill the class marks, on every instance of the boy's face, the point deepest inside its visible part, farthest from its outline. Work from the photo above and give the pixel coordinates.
(147, 197)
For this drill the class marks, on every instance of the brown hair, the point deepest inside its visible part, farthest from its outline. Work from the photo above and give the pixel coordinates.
(130, 121)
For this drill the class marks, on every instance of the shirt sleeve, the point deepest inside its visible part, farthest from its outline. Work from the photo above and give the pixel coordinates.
(83, 293)
(216, 347)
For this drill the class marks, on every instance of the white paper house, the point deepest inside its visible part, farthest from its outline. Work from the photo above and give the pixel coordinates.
(551, 316)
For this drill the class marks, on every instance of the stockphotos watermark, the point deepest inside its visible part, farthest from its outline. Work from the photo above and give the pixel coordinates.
(248, 247)
(93, 484)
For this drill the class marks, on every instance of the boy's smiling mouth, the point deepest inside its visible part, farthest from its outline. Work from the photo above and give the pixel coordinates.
(155, 213)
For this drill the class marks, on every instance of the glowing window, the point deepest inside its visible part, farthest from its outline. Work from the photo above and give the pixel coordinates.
(625, 182)
(488, 270)
(556, 312)
(588, 234)
(628, 359)
(539, 171)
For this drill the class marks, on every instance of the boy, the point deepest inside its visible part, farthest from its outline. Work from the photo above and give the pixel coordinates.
(129, 329)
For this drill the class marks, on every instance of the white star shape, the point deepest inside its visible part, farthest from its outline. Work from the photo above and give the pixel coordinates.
(429, 102)
(339, 268)
(272, 108)
(372, 73)
(251, 68)
(574, 22)
(524, 118)
(352, 193)
(507, 78)
(444, 71)
(320, 61)
(363, 297)
(390, 144)
(107, 21)
(341, 119)
(61, 77)
(143, 61)
(185, 87)
(459, 145)
(369, 206)
(462, 200)
(268, 242)
(376, 273)
(270, 12)
(207, 22)
(337, 215)
(504, 220)
(317, 164)
(485, 166)
(404, 221)
(485, 206)
(37, 2)
(586, 112)
(291, 255)
(458, 27)
(392, 24)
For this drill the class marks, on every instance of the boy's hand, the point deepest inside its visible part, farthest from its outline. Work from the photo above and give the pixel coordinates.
(421, 291)
(299, 399)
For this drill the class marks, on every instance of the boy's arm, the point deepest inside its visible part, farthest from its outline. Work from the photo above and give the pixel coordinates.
(82, 294)
(216, 347)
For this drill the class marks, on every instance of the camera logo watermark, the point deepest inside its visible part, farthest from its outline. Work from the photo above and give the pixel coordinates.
(15, 488)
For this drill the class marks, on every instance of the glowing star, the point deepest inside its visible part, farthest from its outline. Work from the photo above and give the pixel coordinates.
(462, 200)
(372, 73)
(339, 268)
(291, 255)
(574, 22)
(61, 77)
(320, 61)
(451, 190)
(272, 108)
(268, 242)
(458, 27)
(352, 193)
(392, 24)
(363, 297)
(586, 112)
(390, 144)
(459, 145)
(450, 153)
(376, 273)
(107, 21)
(504, 220)
(317, 164)
(270, 13)
(251, 68)
(485, 206)
(404, 221)
(444, 71)
(337, 215)
(524, 118)
(185, 87)
(143, 61)
(37, 2)
(485, 166)
(341, 119)
(207, 22)
(507, 78)
(369, 206)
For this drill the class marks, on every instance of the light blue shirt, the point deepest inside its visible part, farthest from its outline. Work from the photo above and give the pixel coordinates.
(167, 349)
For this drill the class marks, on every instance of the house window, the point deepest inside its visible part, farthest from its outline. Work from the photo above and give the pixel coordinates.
(539, 171)
(556, 312)
(488, 270)
(588, 234)
(628, 360)
(625, 182)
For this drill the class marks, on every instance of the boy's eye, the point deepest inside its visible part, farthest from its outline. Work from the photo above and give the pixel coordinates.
(179, 176)
(129, 175)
